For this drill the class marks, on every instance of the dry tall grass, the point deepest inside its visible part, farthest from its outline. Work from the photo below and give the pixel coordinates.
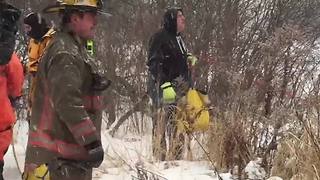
(298, 158)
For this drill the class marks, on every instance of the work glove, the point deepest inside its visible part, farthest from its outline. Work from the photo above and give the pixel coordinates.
(192, 60)
(95, 154)
(168, 93)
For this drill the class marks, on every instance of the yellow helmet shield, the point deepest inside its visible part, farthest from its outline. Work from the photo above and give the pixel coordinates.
(90, 3)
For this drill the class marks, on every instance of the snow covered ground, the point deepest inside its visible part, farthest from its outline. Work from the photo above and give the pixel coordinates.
(123, 153)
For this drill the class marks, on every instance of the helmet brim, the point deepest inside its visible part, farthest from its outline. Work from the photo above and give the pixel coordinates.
(60, 8)
(54, 9)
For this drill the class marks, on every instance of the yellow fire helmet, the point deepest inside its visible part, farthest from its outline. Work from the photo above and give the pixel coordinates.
(84, 5)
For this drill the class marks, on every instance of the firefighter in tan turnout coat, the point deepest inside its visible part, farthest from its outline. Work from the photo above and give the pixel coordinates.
(64, 133)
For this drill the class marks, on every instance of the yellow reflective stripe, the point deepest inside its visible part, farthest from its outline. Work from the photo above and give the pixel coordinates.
(92, 3)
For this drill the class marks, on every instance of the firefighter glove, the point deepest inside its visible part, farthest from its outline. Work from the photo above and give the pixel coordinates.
(192, 60)
(100, 83)
(95, 154)
(168, 93)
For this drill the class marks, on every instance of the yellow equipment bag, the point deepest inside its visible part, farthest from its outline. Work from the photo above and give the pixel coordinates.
(194, 115)
(40, 173)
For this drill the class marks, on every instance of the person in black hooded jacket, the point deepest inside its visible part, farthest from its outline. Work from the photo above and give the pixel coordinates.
(170, 77)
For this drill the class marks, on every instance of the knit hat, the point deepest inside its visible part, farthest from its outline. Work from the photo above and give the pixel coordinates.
(38, 25)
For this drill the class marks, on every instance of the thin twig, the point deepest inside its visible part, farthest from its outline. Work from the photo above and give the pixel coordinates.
(16, 157)
(208, 156)
(316, 171)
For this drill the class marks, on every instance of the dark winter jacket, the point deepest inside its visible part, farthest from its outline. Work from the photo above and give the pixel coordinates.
(167, 58)
(66, 112)
(9, 17)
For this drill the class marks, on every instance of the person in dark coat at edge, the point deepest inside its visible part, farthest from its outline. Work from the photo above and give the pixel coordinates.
(64, 132)
(11, 76)
(169, 80)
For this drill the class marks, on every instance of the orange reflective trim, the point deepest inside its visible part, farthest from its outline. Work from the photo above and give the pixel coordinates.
(84, 128)
(97, 102)
(67, 150)
(93, 103)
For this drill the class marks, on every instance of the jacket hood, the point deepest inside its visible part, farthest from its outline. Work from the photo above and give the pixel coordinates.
(170, 20)
(38, 25)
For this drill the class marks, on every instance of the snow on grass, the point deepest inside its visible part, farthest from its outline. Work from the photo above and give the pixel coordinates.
(254, 169)
(122, 154)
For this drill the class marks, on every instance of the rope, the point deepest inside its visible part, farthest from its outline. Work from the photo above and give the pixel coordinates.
(208, 156)
(15, 155)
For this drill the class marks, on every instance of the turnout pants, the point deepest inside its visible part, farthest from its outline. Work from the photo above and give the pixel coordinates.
(67, 171)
